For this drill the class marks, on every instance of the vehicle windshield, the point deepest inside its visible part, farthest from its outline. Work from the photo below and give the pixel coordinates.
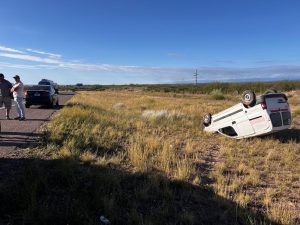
(262, 98)
(39, 88)
(44, 83)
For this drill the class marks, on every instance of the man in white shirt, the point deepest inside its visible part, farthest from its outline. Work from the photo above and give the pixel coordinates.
(18, 93)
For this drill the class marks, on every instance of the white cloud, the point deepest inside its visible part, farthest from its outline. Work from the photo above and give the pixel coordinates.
(25, 66)
(5, 49)
(51, 55)
(162, 74)
(30, 58)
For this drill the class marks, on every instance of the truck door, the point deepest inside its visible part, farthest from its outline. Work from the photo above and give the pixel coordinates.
(258, 118)
(242, 123)
(278, 109)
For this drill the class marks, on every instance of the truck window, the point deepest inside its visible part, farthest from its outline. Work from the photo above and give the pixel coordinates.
(229, 131)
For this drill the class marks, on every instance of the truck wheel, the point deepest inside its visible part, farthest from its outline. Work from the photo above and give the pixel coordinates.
(207, 119)
(270, 91)
(51, 105)
(248, 98)
(57, 104)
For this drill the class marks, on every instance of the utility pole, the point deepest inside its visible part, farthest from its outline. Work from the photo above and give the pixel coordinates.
(196, 77)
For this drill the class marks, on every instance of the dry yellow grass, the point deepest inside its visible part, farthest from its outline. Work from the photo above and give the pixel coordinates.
(139, 132)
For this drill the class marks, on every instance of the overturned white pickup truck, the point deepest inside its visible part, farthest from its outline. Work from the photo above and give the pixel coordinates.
(254, 116)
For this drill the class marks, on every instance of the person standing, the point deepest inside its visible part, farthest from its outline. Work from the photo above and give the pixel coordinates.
(5, 95)
(18, 93)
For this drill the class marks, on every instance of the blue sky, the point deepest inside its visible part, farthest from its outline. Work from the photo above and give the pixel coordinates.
(149, 41)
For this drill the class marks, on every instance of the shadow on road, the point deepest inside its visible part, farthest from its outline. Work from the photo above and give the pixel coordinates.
(19, 134)
(17, 139)
(44, 107)
(67, 191)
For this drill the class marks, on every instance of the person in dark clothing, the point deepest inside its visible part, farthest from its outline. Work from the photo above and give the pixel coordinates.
(5, 95)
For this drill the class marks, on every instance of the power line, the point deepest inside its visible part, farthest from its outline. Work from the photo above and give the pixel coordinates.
(196, 77)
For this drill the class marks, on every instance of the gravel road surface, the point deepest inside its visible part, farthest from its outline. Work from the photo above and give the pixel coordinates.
(17, 134)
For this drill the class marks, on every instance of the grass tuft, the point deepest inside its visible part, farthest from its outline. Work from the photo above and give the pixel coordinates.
(162, 114)
(217, 95)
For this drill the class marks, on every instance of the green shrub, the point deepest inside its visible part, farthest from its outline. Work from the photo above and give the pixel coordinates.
(217, 95)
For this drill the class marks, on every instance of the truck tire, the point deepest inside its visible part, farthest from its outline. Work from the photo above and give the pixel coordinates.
(51, 105)
(207, 119)
(57, 104)
(248, 98)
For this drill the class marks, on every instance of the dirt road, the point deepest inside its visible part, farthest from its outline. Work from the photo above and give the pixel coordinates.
(16, 134)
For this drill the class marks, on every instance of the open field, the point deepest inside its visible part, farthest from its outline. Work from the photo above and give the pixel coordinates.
(142, 158)
(201, 88)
